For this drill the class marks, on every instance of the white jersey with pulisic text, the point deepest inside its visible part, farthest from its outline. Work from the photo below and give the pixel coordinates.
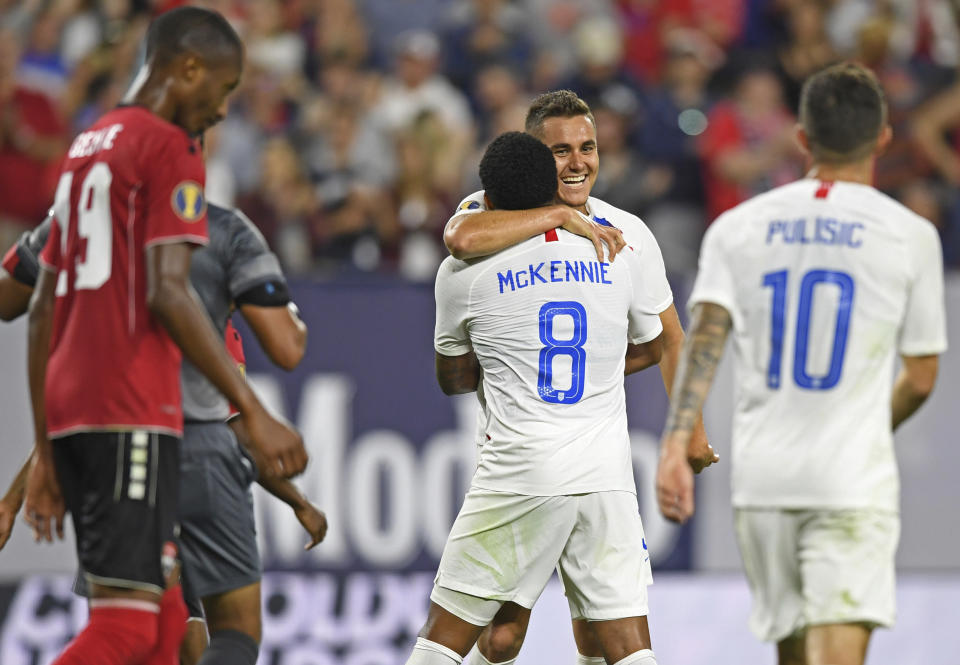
(635, 233)
(825, 283)
(549, 324)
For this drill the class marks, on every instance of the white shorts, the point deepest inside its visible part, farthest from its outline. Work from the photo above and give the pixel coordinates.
(504, 547)
(809, 567)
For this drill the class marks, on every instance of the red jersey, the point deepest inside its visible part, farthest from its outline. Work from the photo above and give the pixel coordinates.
(235, 349)
(130, 181)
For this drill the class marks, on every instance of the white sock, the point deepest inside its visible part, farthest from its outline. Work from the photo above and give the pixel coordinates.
(590, 660)
(480, 659)
(642, 657)
(426, 652)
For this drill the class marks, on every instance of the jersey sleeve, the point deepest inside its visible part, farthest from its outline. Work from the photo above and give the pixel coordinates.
(174, 178)
(470, 205)
(924, 329)
(49, 258)
(643, 317)
(251, 262)
(715, 278)
(654, 270)
(450, 334)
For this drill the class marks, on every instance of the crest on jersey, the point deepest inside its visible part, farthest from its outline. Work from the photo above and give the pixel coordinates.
(469, 205)
(188, 202)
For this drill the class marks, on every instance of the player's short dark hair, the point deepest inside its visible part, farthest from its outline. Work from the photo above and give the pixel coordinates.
(196, 30)
(518, 172)
(843, 111)
(555, 104)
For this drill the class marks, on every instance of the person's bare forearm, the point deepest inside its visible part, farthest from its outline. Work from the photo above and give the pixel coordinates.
(457, 375)
(281, 488)
(480, 234)
(14, 297)
(284, 490)
(912, 387)
(905, 401)
(698, 365)
(673, 340)
(38, 352)
(17, 489)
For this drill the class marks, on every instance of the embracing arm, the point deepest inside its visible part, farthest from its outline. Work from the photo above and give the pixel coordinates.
(641, 356)
(698, 365)
(913, 386)
(458, 374)
(470, 235)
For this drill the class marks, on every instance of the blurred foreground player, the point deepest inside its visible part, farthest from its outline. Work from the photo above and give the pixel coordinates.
(549, 326)
(564, 122)
(112, 304)
(823, 281)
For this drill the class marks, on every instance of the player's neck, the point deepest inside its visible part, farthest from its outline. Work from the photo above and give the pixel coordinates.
(859, 172)
(154, 95)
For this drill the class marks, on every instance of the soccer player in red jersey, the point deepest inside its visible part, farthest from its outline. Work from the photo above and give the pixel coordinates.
(112, 306)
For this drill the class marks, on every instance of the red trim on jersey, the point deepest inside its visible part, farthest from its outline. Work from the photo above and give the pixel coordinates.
(551, 236)
(824, 189)
(11, 259)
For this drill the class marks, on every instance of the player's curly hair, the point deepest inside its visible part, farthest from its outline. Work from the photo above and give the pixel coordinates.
(555, 104)
(518, 172)
(191, 30)
(843, 111)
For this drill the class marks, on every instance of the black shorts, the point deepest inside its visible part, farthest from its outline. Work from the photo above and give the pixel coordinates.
(122, 489)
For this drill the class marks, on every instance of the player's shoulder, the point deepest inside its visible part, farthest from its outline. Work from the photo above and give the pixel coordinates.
(635, 230)
(885, 207)
(472, 203)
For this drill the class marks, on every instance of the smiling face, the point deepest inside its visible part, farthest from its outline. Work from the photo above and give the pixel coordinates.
(573, 142)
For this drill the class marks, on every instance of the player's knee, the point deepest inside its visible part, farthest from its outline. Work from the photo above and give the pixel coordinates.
(501, 642)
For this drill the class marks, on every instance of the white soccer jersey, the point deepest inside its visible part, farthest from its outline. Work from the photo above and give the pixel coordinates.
(825, 283)
(635, 233)
(549, 324)
(637, 236)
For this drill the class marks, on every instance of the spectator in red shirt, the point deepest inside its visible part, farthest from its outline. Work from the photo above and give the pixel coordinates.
(32, 140)
(748, 145)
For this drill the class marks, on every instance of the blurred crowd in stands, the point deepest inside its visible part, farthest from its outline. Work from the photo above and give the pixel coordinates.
(359, 124)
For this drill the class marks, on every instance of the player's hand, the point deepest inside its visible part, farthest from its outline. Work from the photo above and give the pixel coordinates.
(700, 454)
(598, 234)
(314, 522)
(44, 507)
(277, 447)
(8, 515)
(675, 481)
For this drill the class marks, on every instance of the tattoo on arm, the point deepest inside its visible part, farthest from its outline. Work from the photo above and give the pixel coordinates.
(458, 374)
(698, 364)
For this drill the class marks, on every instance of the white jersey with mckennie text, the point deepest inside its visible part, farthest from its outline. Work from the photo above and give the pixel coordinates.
(825, 283)
(637, 236)
(549, 324)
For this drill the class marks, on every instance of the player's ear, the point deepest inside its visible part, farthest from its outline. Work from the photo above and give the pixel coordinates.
(883, 141)
(190, 70)
(803, 141)
(486, 202)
